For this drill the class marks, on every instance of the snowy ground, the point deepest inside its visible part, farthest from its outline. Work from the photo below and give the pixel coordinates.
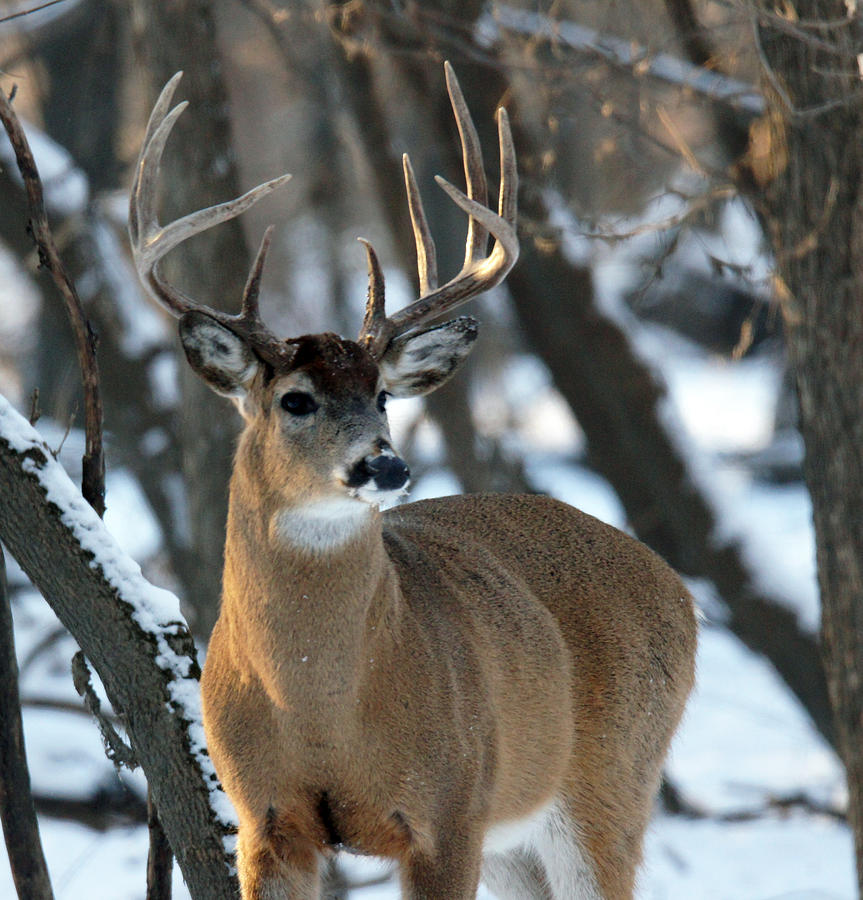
(744, 740)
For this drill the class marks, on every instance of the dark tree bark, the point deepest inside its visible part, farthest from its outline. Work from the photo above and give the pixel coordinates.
(82, 54)
(17, 811)
(160, 857)
(813, 204)
(199, 169)
(125, 657)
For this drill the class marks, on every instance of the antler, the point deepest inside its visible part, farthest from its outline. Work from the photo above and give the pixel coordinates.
(151, 241)
(479, 272)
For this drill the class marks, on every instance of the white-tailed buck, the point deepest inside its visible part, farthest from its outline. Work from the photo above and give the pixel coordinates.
(477, 687)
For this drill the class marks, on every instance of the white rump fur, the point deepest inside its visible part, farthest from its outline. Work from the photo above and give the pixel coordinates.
(546, 841)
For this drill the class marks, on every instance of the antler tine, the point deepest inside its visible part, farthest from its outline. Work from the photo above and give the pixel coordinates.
(142, 203)
(203, 219)
(145, 233)
(480, 272)
(508, 197)
(249, 311)
(375, 322)
(426, 252)
(151, 241)
(474, 170)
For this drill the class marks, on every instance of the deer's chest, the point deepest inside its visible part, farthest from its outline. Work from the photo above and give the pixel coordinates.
(327, 820)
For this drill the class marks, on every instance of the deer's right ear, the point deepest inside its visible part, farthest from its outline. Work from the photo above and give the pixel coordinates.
(219, 356)
(421, 361)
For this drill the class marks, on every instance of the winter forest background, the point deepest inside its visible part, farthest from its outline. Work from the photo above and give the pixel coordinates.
(691, 233)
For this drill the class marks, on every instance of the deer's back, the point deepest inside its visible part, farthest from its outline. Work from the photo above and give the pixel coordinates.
(624, 614)
(578, 566)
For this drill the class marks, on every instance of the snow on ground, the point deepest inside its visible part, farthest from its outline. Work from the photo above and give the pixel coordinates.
(744, 739)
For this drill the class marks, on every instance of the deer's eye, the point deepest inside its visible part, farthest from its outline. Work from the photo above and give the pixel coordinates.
(298, 403)
(382, 401)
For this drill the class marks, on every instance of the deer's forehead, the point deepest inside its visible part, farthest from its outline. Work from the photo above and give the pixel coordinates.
(333, 365)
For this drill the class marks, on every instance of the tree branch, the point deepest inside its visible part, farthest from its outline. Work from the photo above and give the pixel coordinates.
(93, 472)
(623, 54)
(18, 815)
(134, 637)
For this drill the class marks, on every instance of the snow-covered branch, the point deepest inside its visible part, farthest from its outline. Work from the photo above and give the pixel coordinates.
(134, 636)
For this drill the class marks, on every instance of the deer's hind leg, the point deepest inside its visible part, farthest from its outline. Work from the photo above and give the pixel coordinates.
(569, 869)
(515, 875)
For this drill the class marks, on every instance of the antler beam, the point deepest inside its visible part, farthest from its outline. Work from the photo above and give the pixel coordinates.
(151, 241)
(480, 272)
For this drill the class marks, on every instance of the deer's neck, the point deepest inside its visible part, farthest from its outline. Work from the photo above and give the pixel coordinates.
(306, 590)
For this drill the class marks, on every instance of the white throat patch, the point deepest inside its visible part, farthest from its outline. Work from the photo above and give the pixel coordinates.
(321, 526)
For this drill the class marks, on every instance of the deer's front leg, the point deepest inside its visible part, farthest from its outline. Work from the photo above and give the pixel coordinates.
(452, 870)
(275, 869)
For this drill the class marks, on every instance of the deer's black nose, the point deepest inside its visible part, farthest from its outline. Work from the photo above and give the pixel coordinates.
(389, 472)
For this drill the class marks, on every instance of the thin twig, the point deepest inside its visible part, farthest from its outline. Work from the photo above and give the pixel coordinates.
(44, 644)
(680, 143)
(93, 464)
(69, 423)
(116, 749)
(27, 12)
(64, 706)
(35, 412)
(696, 205)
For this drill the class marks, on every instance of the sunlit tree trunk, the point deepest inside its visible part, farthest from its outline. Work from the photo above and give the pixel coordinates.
(812, 196)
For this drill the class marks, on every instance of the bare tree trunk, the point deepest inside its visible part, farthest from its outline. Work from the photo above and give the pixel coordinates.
(128, 658)
(81, 53)
(17, 813)
(199, 170)
(814, 206)
(159, 857)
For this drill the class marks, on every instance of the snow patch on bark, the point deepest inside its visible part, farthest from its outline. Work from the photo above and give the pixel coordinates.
(156, 611)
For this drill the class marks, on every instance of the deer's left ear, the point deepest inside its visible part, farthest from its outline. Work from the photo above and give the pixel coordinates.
(418, 362)
(223, 359)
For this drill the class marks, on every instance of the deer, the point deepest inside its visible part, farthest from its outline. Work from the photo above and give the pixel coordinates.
(478, 688)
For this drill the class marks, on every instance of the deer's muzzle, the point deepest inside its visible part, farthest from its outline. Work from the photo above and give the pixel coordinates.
(385, 471)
